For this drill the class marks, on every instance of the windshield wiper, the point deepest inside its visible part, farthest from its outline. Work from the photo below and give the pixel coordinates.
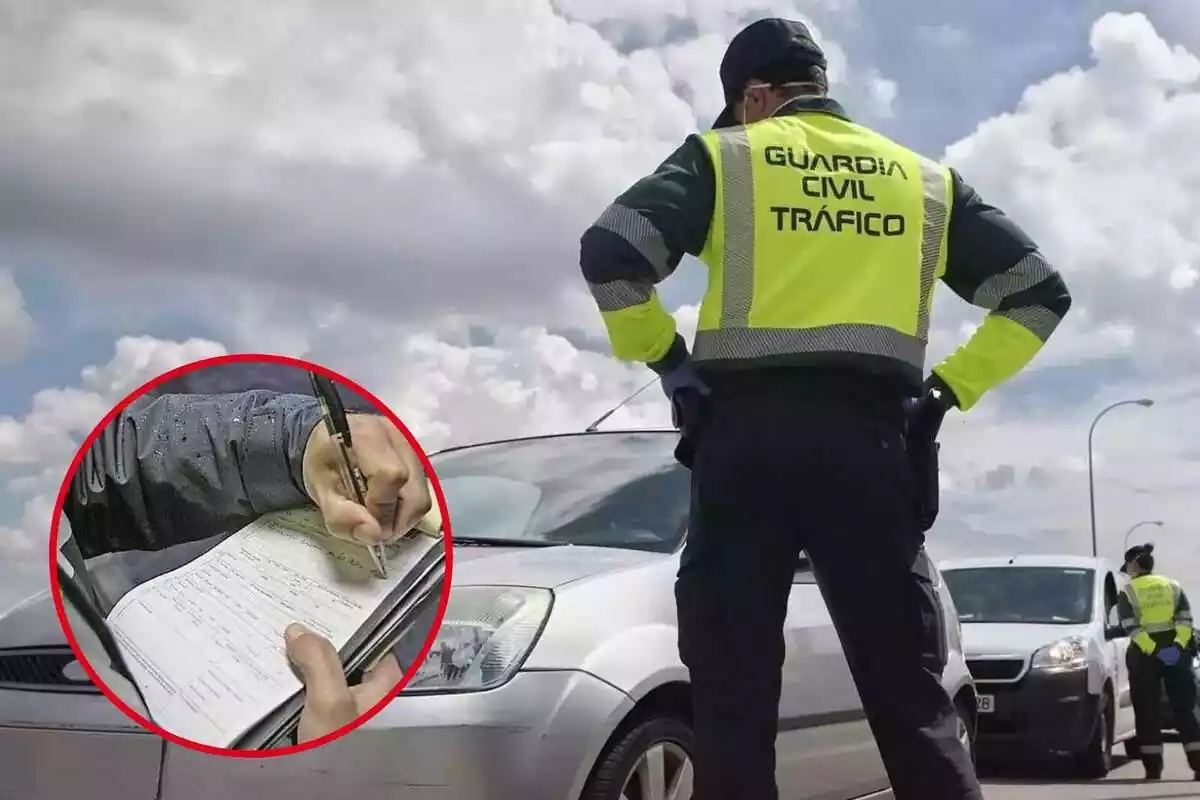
(476, 541)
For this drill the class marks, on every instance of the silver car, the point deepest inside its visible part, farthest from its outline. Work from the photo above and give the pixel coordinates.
(555, 674)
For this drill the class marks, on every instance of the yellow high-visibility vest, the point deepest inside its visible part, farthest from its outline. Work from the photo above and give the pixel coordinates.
(826, 238)
(1154, 599)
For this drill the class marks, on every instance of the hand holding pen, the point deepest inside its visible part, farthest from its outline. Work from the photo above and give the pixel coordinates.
(363, 475)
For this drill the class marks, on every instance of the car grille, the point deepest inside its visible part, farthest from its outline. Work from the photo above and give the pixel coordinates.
(991, 725)
(998, 669)
(53, 669)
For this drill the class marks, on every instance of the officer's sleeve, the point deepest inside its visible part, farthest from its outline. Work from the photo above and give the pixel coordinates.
(1126, 615)
(1183, 617)
(637, 242)
(993, 264)
(180, 468)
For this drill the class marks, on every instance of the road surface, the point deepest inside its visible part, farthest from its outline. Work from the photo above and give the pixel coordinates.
(1125, 781)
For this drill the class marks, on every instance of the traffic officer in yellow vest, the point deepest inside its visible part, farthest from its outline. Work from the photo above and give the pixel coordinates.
(1155, 612)
(803, 409)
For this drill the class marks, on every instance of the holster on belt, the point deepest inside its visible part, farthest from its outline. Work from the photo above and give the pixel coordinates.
(687, 411)
(923, 456)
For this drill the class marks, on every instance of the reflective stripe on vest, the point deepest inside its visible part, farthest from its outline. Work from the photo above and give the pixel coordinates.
(826, 238)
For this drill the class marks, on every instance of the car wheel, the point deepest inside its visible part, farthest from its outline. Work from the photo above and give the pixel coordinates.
(1133, 750)
(1096, 760)
(653, 759)
(965, 730)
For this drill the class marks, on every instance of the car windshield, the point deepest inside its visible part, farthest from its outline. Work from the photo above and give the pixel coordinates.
(1045, 595)
(603, 490)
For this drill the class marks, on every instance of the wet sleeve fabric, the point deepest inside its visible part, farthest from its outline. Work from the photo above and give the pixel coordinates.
(994, 265)
(638, 242)
(179, 468)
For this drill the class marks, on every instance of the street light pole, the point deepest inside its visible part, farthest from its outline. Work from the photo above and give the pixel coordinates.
(1155, 522)
(1144, 403)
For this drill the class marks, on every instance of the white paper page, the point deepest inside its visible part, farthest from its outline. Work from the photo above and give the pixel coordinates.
(205, 641)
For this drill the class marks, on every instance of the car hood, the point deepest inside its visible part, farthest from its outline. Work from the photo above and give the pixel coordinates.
(31, 623)
(34, 622)
(544, 567)
(1012, 639)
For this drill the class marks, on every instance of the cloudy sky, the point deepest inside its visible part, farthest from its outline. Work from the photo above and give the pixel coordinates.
(397, 191)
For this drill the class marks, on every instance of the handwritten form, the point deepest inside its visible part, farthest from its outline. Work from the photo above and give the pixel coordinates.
(205, 641)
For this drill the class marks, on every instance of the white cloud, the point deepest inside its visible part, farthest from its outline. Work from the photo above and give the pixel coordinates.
(45, 482)
(1097, 163)
(449, 155)
(526, 380)
(27, 537)
(45, 439)
(48, 430)
(1145, 470)
(16, 326)
(59, 417)
(141, 358)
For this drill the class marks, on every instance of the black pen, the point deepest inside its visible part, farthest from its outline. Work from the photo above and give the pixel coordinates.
(334, 415)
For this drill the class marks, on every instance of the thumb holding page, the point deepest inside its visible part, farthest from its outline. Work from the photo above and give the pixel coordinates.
(328, 703)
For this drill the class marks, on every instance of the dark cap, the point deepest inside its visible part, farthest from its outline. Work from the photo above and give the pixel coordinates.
(1141, 553)
(760, 44)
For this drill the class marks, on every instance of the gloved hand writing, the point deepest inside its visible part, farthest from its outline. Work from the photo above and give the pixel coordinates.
(397, 491)
(1170, 655)
(329, 702)
(677, 385)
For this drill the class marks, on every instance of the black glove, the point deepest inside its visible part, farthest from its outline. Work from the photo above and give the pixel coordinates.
(925, 418)
(686, 392)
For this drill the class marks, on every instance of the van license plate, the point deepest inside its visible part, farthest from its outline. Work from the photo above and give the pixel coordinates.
(986, 703)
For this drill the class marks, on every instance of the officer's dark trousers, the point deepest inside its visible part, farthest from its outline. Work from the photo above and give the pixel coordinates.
(1147, 678)
(777, 470)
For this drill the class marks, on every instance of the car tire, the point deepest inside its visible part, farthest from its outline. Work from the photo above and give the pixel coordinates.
(965, 730)
(1096, 761)
(1133, 750)
(624, 760)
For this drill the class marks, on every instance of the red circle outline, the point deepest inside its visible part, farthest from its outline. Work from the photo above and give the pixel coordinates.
(235, 358)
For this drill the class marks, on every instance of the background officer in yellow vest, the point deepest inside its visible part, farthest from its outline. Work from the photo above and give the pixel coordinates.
(1155, 612)
(804, 410)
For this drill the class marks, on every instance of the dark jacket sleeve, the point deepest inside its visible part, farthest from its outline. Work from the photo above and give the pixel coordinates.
(994, 265)
(180, 468)
(638, 242)
(1125, 614)
(1183, 609)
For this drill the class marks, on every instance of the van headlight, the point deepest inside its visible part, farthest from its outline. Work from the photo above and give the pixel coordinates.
(484, 638)
(1064, 655)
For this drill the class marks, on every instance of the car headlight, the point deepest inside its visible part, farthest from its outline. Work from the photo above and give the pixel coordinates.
(1061, 656)
(484, 638)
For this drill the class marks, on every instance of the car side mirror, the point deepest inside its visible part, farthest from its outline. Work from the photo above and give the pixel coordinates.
(1114, 632)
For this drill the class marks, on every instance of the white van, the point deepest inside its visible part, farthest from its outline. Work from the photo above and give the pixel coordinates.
(1049, 665)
